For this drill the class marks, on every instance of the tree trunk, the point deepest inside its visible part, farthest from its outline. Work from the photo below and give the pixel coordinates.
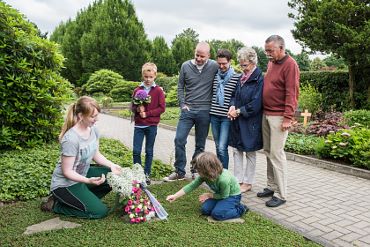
(351, 85)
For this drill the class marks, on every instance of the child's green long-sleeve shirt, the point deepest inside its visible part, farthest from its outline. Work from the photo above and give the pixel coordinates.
(224, 186)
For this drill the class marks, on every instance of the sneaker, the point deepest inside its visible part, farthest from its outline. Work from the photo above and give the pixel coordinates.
(174, 177)
(148, 181)
(47, 206)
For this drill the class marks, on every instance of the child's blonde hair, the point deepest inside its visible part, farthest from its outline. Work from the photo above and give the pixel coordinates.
(84, 105)
(149, 67)
(208, 165)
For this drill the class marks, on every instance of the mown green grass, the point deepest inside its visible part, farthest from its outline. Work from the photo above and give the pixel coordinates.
(184, 227)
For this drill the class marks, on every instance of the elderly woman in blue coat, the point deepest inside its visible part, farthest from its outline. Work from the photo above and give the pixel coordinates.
(246, 112)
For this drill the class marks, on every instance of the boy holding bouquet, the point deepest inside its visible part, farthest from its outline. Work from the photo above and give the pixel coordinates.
(148, 105)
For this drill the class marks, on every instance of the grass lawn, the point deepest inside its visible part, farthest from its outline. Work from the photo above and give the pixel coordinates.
(185, 227)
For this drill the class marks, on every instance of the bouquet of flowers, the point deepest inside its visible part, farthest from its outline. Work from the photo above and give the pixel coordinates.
(138, 207)
(138, 202)
(141, 97)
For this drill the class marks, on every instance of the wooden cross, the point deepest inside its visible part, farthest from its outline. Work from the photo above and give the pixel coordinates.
(305, 115)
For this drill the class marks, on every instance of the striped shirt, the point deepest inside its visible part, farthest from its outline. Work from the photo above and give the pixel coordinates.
(216, 109)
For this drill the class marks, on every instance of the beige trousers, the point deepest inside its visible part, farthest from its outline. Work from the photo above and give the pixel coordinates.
(273, 144)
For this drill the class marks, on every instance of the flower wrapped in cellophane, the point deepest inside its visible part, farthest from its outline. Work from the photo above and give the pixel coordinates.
(138, 203)
(139, 207)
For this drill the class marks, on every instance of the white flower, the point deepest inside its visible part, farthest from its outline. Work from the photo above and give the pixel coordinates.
(346, 134)
(122, 183)
(343, 144)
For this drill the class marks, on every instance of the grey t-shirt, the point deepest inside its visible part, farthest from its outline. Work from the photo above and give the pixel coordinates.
(73, 145)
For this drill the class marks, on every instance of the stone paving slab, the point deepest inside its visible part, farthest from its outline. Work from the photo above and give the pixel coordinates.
(328, 207)
(48, 225)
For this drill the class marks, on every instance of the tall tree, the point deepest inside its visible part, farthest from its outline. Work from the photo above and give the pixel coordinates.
(303, 60)
(334, 61)
(162, 56)
(338, 27)
(189, 34)
(106, 35)
(183, 46)
(232, 45)
(262, 58)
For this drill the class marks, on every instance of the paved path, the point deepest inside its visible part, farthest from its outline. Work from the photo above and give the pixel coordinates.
(327, 207)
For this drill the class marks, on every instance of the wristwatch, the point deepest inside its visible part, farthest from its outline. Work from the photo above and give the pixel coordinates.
(237, 112)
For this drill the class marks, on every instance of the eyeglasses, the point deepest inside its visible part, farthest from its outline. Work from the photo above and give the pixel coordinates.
(244, 65)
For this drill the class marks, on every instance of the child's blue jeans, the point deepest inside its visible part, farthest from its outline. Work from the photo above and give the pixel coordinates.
(224, 209)
(149, 133)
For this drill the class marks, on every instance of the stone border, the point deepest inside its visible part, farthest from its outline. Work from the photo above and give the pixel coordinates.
(332, 166)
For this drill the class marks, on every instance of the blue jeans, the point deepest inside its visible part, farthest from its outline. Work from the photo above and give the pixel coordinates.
(198, 118)
(220, 130)
(149, 133)
(224, 209)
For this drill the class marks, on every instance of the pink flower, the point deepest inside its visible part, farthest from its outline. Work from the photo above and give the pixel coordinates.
(137, 210)
(127, 209)
(129, 202)
(132, 221)
(137, 220)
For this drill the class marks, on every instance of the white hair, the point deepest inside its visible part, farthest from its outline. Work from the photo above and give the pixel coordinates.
(247, 54)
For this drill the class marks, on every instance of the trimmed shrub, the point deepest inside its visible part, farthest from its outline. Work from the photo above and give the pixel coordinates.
(32, 90)
(171, 97)
(122, 92)
(167, 83)
(101, 81)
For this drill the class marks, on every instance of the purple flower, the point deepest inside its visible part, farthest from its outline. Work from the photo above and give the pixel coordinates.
(141, 95)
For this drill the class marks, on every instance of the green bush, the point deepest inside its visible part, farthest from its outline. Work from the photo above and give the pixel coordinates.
(301, 144)
(106, 102)
(167, 83)
(32, 90)
(358, 117)
(26, 174)
(171, 97)
(101, 81)
(332, 85)
(122, 92)
(351, 145)
(309, 98)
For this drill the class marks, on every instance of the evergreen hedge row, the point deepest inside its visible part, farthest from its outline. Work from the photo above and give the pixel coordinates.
(333, 85)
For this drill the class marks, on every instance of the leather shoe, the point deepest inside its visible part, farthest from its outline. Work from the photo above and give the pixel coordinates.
(265, 193)
(275, 202)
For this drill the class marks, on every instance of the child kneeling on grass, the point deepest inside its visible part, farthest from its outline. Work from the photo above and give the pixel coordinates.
(224, 203)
